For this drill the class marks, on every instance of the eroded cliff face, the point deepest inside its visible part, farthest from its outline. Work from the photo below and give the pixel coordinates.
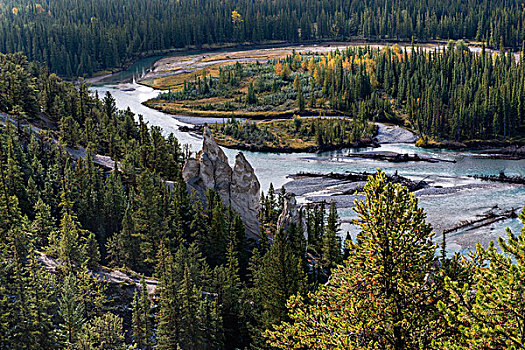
(238, 187)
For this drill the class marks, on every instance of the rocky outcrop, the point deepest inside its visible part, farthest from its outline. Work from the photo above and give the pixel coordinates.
(237, 187)
(292, 213)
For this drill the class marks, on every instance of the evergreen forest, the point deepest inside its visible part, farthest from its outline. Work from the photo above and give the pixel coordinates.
(79, 38)
(104, 245)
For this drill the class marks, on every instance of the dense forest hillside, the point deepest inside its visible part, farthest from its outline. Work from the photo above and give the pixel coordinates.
(76, 38)
(134, 215)
(70, 222)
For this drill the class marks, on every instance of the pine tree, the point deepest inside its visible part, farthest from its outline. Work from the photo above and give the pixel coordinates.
(346, 249)
(279, 276)
(146, 217)
(145, 307)
(486, 307)
(251, 97)
(138, 339)
(68, 240)
(43, 224)
(228, 286)
(102, 333)
(331, 249)
(382, 295)
(168, 332)
(13, 171)
(218, 235)
(71, 312)
(123, 247)
(141, 318)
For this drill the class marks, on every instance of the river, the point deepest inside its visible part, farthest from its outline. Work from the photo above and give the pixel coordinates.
(452, 198)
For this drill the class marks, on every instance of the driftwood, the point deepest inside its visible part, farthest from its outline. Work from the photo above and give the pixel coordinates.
(359, 177)
(520, 180)
(195, 128)
(397, 157)
(487, 219)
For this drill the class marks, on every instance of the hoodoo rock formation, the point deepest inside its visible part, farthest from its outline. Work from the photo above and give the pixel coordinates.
(238, 187)
(292, 213)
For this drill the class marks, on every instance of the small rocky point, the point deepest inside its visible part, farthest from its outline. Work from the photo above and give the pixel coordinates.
(292, 213)
(238, 187)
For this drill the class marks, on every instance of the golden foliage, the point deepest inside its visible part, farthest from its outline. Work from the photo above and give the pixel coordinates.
(278, 68)
(236, 17)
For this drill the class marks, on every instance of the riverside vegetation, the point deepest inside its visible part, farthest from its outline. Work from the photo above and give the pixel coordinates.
(389, 287)
(297, 134)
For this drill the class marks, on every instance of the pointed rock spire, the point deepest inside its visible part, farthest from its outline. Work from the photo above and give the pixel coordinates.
(237, 187)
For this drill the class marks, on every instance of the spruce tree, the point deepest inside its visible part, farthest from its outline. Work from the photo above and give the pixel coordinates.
(279, 275)
(331, 249)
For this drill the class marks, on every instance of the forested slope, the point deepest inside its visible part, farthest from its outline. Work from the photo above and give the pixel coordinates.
(217, 289)
(82, 37)
(388, 288)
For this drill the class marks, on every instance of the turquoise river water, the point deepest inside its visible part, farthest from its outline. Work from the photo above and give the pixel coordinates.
(454, 197)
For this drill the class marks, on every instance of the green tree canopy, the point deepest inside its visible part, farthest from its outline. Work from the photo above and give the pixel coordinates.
(382, 297)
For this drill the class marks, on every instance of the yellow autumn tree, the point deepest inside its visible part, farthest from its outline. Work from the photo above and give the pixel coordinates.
(278, 68)
(311, 64)
(304, 64)
(236, 18)
(318, 76)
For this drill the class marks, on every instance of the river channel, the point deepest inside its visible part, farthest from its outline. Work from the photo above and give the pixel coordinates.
(451, 197)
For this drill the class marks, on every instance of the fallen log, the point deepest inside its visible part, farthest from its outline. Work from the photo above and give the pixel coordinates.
(397, 157)
(359, 177)
(520, 180)
(486, 220)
